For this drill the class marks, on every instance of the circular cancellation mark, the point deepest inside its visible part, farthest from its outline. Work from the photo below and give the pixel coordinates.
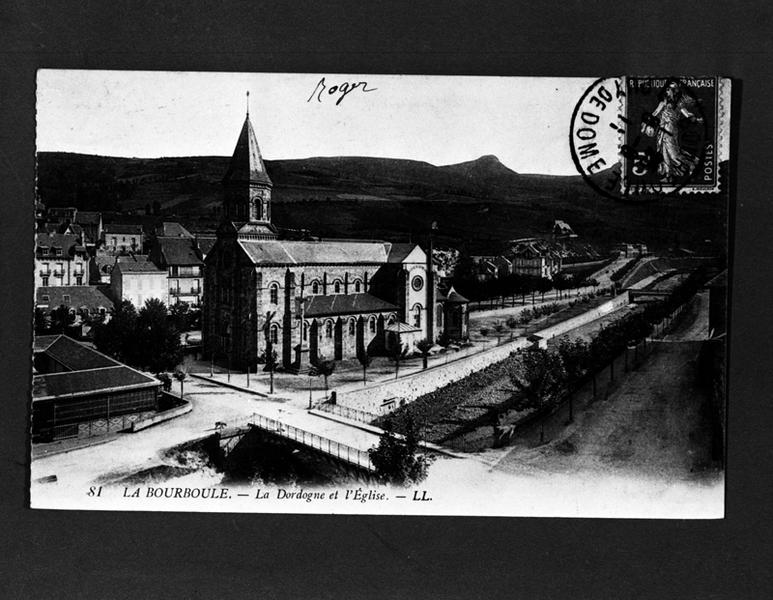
(642, 138)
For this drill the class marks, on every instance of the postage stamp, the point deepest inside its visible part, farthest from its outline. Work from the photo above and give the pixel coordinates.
(639, 138)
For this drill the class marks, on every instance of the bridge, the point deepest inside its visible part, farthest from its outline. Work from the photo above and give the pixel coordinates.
(228, 439)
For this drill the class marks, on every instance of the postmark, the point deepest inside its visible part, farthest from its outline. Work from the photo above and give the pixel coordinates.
(639, 138)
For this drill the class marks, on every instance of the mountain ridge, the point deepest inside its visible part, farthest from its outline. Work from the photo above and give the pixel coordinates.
(480, 200)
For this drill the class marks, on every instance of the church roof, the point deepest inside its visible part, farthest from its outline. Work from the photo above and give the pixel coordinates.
(454, 297)
(295, 252)
(247, 162)
(400, 251)
(345, 304)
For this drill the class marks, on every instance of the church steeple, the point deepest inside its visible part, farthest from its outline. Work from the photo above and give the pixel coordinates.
(247, 184)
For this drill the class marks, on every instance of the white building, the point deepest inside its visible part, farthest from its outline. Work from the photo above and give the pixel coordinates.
(59, 260)
(136, 279)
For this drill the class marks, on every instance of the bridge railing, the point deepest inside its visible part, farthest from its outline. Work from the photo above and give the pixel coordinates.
(353, 456)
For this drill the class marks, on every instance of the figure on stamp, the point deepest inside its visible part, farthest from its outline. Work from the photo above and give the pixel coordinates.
(664, 124)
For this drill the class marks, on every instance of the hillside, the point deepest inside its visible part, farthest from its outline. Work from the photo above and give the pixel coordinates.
(480, 202)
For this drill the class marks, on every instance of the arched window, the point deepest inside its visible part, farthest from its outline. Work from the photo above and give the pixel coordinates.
(439, 314)
(417, 308)
(273, 292)
(274, 334)
(357, 286)
(315, 287)
(372, 324)
(352, 327)
(305, 331)
(329, 329)
(337, 287)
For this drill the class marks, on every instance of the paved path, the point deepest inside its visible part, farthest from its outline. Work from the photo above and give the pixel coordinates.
(652, 424)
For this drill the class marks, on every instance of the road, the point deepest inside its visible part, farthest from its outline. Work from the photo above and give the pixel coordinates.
(653, 424)
(133, 452)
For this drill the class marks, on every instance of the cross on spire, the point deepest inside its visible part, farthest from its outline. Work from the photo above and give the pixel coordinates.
(248, 103)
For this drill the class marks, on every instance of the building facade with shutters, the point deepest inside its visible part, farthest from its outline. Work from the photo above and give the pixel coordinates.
(60, 259)
(305, 300)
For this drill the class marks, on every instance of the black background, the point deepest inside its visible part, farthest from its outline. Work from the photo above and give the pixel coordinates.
(141, 555)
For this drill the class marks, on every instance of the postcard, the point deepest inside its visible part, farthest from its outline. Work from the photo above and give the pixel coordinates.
(381, 294)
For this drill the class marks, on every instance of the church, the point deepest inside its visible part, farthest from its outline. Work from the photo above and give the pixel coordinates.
(311, 300)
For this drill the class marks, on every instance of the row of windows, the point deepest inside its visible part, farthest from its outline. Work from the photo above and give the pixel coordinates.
(45, 280)
(316, 286)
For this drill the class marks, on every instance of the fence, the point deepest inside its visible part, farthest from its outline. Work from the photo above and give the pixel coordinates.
(353, 456)
(512, 300)
(353, 414)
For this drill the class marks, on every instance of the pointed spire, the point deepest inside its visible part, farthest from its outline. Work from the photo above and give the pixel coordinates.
(247, 163)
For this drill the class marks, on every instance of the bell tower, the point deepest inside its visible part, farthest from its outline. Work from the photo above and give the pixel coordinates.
(247, 184)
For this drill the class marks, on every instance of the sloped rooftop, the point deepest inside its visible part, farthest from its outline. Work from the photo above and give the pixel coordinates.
(345, 304)
(277, 252)
(88, 381)
(90, 296)
(71, 354)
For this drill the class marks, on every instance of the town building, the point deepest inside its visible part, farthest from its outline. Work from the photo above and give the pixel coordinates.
(562, 230)
(81, 300)
(305, 300)
(136, 279)
(91, 224)
(536, 260)
(181, 259)
(101, 264)
(79, 392)
(60, 259)
(123, 237)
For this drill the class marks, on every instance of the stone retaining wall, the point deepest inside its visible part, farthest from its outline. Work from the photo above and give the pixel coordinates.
(384, 397)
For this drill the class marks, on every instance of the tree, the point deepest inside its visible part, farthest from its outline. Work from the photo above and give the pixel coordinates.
(271, 363)
(499, 328)
(397, 460)
(576, 358)
(424, 346)
(541, 378)
(512, 323)
(397, 353)
(166, 381)
(61, 319)
(325, 367)
(158, 339)
(42, 321)
(365, 359)
(180, 375)
(180, 316)
(118, 337)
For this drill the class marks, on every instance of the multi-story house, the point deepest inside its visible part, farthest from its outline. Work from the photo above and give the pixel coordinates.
(181, 259)
(137, 279)
(60, 260)
(528, 259)
(123, 237)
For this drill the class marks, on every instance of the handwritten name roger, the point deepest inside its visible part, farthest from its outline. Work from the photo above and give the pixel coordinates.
(341, 89)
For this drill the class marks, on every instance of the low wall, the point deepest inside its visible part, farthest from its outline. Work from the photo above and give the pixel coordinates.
(161, 417)
(386, 396)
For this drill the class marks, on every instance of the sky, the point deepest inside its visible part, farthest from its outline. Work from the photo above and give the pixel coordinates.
(441, 120)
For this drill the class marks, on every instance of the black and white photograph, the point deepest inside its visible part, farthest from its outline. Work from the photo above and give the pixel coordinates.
(353, 293)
